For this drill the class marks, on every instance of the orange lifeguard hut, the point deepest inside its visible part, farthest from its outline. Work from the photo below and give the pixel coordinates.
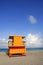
(16, 45)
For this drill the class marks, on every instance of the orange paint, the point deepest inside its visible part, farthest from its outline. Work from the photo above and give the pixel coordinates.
(16, 46)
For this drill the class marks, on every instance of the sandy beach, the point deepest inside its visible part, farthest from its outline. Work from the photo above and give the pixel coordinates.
(34, 57)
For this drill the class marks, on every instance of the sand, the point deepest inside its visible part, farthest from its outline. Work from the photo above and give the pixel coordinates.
(31, 58)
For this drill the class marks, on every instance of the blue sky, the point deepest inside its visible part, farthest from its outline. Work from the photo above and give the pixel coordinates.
(17, 17)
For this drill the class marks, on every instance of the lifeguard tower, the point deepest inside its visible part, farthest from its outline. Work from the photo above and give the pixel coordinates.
(16, 45)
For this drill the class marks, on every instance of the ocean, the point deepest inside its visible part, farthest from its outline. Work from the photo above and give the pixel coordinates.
(6, 49)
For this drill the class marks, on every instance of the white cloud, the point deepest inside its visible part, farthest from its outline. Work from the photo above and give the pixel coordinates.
(34, 40)
(3, 43)
(32, 19)
(3, 39)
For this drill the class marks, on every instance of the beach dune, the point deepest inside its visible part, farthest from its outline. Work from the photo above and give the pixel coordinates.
(33, 57)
